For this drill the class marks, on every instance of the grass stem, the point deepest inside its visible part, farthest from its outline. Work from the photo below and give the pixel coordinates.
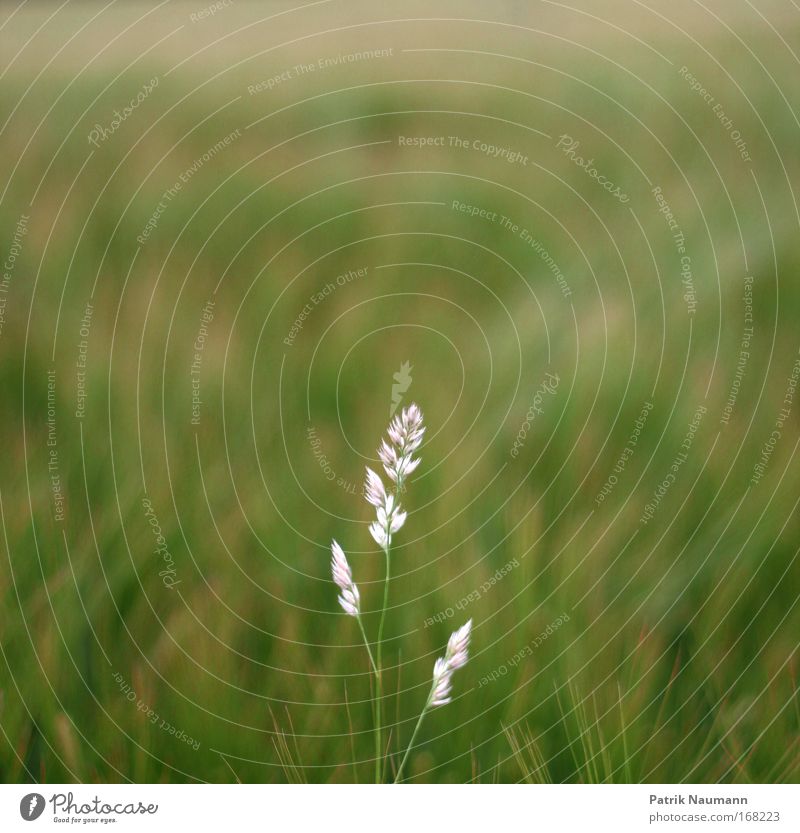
(366, 645)
(411, 742)
(379, 668)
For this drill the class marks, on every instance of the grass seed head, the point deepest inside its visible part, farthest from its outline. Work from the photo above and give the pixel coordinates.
(456, 656)
(349, 598)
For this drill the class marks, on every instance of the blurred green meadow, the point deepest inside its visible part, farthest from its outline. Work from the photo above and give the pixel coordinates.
(222, 377)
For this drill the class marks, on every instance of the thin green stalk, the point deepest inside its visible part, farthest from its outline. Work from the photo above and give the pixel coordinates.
(379, 669)
(366, 645)
(628, 775)
(377, 684)
(413, 738)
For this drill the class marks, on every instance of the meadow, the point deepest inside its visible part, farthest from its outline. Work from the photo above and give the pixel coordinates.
(569, 235)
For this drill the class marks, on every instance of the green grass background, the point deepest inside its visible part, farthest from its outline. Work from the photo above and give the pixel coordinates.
(679, 658)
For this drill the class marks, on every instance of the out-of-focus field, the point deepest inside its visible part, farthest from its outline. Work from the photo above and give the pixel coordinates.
(225, 655)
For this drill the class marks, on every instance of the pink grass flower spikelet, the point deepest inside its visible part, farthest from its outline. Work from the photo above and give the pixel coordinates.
(405, 432)
(389, 515)
(349, 598)
(455, 657)
(374, 490)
